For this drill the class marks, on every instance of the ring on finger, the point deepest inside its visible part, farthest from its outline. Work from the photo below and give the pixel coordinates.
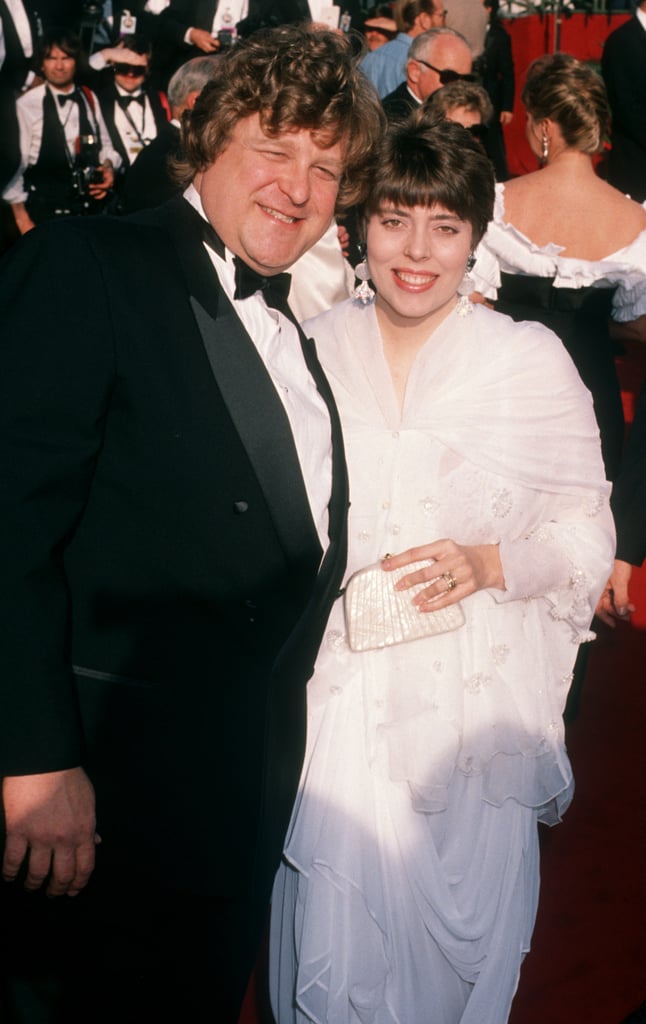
(450, 580)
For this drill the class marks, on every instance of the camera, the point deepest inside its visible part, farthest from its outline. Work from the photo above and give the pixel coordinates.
(87, 164)
(225, 38)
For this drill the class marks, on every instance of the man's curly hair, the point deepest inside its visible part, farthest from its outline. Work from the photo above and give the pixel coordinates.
(294, 78)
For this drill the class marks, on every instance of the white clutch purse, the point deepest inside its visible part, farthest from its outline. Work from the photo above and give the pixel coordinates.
(377, 615)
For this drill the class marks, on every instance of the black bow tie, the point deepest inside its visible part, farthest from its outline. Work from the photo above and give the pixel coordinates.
(125, 101)
(248, 281)
(68, 97)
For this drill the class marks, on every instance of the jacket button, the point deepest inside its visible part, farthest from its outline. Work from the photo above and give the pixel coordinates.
(240, 507)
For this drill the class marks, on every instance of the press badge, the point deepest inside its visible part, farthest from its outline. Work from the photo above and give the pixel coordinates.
(128, 24)
(329, 16)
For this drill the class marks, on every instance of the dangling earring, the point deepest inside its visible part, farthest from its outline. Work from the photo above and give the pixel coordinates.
(363, 292)
(546, 147)
(465, 306)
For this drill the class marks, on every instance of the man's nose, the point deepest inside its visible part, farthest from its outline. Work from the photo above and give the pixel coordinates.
(295, 183)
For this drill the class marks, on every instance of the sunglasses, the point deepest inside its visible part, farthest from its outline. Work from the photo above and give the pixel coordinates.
(130, 69)
(446, 75)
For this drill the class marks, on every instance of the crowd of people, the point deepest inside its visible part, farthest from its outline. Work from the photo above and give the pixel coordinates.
(314, 480)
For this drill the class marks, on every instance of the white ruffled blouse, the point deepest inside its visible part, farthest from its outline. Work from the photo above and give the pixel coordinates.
(505, 249)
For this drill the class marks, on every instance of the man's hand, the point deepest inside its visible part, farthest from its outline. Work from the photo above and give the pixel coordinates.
(100, 189)
(24, 223)
(50, 822)
(203, 40)
(615, 604)
(120, 54)
(344, 239)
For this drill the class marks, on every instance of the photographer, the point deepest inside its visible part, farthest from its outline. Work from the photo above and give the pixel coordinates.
(66, 162)
(190, 28)
(135, 112)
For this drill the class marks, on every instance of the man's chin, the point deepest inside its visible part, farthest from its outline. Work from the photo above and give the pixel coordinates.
(271, 265)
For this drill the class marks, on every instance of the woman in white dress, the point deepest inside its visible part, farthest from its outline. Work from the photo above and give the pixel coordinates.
(410, 878)
(565, 247)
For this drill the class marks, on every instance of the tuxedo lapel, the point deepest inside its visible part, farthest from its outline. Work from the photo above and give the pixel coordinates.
(107, 101)
(246, 389)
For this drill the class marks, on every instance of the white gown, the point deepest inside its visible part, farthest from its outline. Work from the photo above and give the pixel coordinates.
(410, 882)
(505, 248)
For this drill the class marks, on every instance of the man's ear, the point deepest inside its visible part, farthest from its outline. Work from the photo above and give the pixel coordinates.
(413, 71)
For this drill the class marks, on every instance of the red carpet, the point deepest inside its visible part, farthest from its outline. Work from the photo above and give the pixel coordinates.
(588, 959)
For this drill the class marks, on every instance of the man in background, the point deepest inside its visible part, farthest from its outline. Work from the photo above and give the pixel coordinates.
(67, 162)
(149, 181)
(386, 66)
(623, 66)
(436, 58)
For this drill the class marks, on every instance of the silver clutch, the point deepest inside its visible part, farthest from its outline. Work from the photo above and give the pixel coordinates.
(377, 615)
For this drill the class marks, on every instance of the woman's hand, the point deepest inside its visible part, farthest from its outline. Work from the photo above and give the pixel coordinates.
(457, 571)
(632, 330)
(615, 602)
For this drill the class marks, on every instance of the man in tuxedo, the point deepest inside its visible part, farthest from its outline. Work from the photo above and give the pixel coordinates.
(134, 111)
(66, 161)
(149, 182)
(623, 66)
(386, 66)
(188, 28)
(496, 69)
(173, 526)
(18, 37)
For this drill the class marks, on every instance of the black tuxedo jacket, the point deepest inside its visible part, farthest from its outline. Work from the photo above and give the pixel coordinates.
(629, 492)
(164, 596)
(623, 67)
(148, 182)
(498, 67)
(13, 75)
(399, 103)
(181, 15)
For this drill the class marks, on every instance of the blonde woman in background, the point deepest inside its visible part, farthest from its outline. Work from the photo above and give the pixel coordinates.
(566, 248)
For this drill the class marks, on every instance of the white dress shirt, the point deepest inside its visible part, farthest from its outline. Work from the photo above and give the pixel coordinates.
(324, 13)
(21, 24)
(136, 128)
(277, 341)
(228, 13)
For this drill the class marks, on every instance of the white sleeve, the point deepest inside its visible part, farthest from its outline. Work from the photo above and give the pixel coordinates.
(27, 114)
(486, 273)
(566, 560)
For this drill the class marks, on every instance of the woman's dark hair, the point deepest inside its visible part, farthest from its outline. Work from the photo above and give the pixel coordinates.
(425, 165)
